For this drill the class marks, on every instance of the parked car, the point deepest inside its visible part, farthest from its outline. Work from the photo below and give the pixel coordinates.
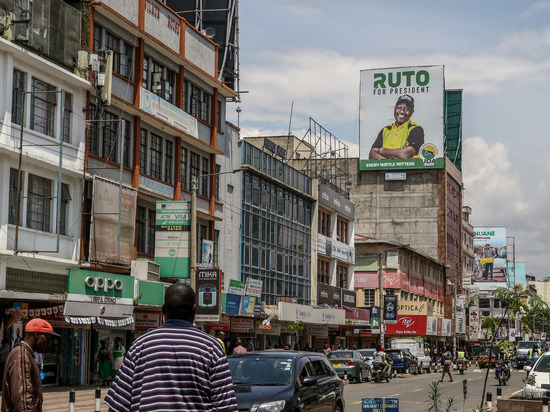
(418, 349)
(536, 384)
(368, 355)
(350, 363)
(403, 361)
(285, 381)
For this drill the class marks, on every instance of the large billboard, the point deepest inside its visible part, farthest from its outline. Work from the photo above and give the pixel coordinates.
(490, 254)
(401, 118)
(173, 238)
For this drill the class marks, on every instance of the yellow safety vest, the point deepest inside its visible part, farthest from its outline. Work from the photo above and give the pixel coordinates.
(395, 137)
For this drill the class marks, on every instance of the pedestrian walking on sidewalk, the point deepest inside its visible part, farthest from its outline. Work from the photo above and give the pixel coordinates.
(22, 387)
(447, 361)
(118, 352)
(175, 367)
(104, 359)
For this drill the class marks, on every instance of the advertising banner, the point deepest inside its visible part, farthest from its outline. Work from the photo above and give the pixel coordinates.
(147, 320)
(236, 287)
(375, 318)
(380, 404)
(490, 254)
(408, 325)
(439, 326)
(291, 312)
(474, 320)
(316, 330)
(242, 325)
(431, 326)
(357, 316)
(460, 329)
(248, 304)
(207, 254)
(254, 287)
(105, 243)
(271, 329)
(232, 304)
(447, 331)
(329, 295)
(173, 238)
(349, 298)
(392, 280)
(390, 309)
(401, 118)
(406, 307)
(416, 285)
(517, 275)
(208, 295)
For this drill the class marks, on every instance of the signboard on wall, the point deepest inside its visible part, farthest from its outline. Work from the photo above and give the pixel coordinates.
(401, 118)
(390, 309)
(208, 295)
(408, 325)
(173, 238)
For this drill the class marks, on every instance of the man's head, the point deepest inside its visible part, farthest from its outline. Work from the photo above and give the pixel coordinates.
(221, 335)
(287, 347)
(38, 333)
(117, 341)
(239, 342)
(404, 109)
(179, 302)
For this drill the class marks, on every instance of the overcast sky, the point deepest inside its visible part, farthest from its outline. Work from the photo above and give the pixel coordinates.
(311, 52)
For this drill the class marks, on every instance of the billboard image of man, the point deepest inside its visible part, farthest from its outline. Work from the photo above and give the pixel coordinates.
(401, 139)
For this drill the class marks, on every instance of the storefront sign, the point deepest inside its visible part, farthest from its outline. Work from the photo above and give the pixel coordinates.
(248, 304)
(371, 280)
(242, 325)
(408, 325)
(236, 287)
(357, 316)
(337, 202)
(291, 312)
(431, 326)
(232, 304)
(460, 326)
(375, 318)
(217, 325)
(333, 248)
(365, 333)
(254, 287)
(100, 287)
(156, 187)
(446, 331)
(147, 320)
(416, 285)
(312, 330)
(412, 308)
(349, 298)
(380, 404)
(208, 295)
(329, 295)
(275, 329)
(390, 309)
(173, 238)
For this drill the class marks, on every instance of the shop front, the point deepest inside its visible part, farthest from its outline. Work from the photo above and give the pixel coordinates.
(100, 307)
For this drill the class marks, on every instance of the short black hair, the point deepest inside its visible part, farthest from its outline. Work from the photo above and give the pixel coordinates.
(179, 302)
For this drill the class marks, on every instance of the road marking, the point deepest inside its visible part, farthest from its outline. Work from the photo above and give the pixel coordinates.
(417, 390)
(395, 394)
(357, 402)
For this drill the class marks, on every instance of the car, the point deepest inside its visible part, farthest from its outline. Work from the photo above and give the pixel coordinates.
(524, 346)
(403, 361)
(350, 363)
(538, 377)
(485, 360)
(519, 361)
(368, 355)
(285, 381)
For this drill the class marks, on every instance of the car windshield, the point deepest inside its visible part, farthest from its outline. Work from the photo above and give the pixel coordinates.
(485, 351)
(368, 353)
(261, 370)
(340, 354)
(543, 365)
(525, 345)
(394, 353)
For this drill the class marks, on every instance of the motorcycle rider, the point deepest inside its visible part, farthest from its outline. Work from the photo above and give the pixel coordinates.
(461, 356)
(382, 357)
(534, 353)
(503, 356)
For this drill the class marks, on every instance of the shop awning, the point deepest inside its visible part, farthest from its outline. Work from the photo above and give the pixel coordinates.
(110, 315)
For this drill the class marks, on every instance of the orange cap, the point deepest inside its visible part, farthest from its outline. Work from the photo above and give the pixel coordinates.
(40, 326)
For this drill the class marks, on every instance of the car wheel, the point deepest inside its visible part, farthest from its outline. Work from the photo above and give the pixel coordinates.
(429, 370)
(407, 370)
(338, 408)
(415, 370)
(359, 378)
(369, 376)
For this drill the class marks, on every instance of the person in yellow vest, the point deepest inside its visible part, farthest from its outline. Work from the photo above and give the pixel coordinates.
(402, 139)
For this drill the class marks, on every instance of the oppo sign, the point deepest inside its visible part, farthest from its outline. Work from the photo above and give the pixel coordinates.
(103, 283)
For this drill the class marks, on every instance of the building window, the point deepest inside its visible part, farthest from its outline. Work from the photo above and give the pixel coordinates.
(195, 167)
(183, 169)
(67, 114)
(216, 255)
(323, 274)
(324, 223)
(342, 232)
(156, 157)
(159, 79)
(39, 199)
(18, 88)
(122, 52)
(203, 184)
(168, 160)
(342, 276)
(43, 102)
(217, 183)
(219, 114)
(197, 102)
(14, 184)
(146, 230)
(391, 292)
(143, 151)
(106, 145)
(64, 209)
(369, 297)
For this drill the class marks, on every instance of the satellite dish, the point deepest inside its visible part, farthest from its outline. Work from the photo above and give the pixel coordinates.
(210, 32)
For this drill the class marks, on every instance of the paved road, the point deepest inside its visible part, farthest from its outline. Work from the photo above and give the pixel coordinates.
(413, 391)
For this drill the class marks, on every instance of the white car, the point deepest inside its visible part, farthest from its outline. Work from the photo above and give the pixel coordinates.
(537, 384)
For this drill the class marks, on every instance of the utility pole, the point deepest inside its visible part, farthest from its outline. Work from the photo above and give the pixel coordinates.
(381, 287)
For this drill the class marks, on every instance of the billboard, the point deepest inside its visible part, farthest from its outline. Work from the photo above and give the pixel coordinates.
(173, 238)
(390, 309)
(401, 118)
(208, 283)
(490, 254)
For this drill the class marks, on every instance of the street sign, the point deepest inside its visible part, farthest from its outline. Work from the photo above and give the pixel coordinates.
(380, 405)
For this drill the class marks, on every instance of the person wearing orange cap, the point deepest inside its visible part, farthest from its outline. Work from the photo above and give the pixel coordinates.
(22, 387)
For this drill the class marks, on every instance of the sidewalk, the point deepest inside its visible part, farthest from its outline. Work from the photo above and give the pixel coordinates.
(56, 398)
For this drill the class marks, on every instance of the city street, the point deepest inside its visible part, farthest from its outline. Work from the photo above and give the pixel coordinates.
(413, 391)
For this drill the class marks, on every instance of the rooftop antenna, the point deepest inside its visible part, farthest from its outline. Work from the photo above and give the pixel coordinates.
(290, 121)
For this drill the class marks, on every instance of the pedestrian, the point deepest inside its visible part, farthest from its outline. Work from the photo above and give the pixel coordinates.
(308, 347)
(447, 359)
(4, 352)
(175, 367)
(239, 348)
(326, 349)
(287, 347)
(22, 387)
(221, 337)
(39, 359)
(104, 358)
(118, 352)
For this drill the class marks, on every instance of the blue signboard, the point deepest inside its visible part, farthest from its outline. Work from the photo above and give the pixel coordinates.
(375, 404)
(233, 304)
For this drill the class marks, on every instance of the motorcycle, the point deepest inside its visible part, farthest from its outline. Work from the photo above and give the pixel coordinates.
(378, 373)
(460, 366)
(502, 372)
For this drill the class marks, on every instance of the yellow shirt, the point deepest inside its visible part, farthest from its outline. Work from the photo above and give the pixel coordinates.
(395, 137)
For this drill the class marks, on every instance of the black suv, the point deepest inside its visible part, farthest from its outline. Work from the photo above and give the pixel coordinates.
(285, 381)
(403, 361)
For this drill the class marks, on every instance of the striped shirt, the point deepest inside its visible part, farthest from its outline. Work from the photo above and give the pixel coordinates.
(175, 367)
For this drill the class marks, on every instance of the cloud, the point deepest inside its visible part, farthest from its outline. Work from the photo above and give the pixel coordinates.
(536, 9)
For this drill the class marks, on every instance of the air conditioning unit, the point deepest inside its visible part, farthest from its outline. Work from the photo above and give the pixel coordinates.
(144, 269)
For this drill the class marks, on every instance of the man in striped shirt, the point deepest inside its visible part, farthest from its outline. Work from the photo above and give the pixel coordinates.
(175, 367)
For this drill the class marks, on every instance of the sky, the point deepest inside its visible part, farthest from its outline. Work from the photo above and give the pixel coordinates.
(306, 56)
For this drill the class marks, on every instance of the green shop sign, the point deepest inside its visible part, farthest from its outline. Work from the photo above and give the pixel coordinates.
(87, 282)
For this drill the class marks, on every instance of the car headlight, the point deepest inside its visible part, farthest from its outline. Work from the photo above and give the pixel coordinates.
(275, 406)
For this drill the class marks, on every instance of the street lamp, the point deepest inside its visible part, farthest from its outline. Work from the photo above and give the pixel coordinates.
(194, 188)
(381, 287)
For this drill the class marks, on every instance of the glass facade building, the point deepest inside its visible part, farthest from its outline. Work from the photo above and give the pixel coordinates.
(453, 127)
(276, 218)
